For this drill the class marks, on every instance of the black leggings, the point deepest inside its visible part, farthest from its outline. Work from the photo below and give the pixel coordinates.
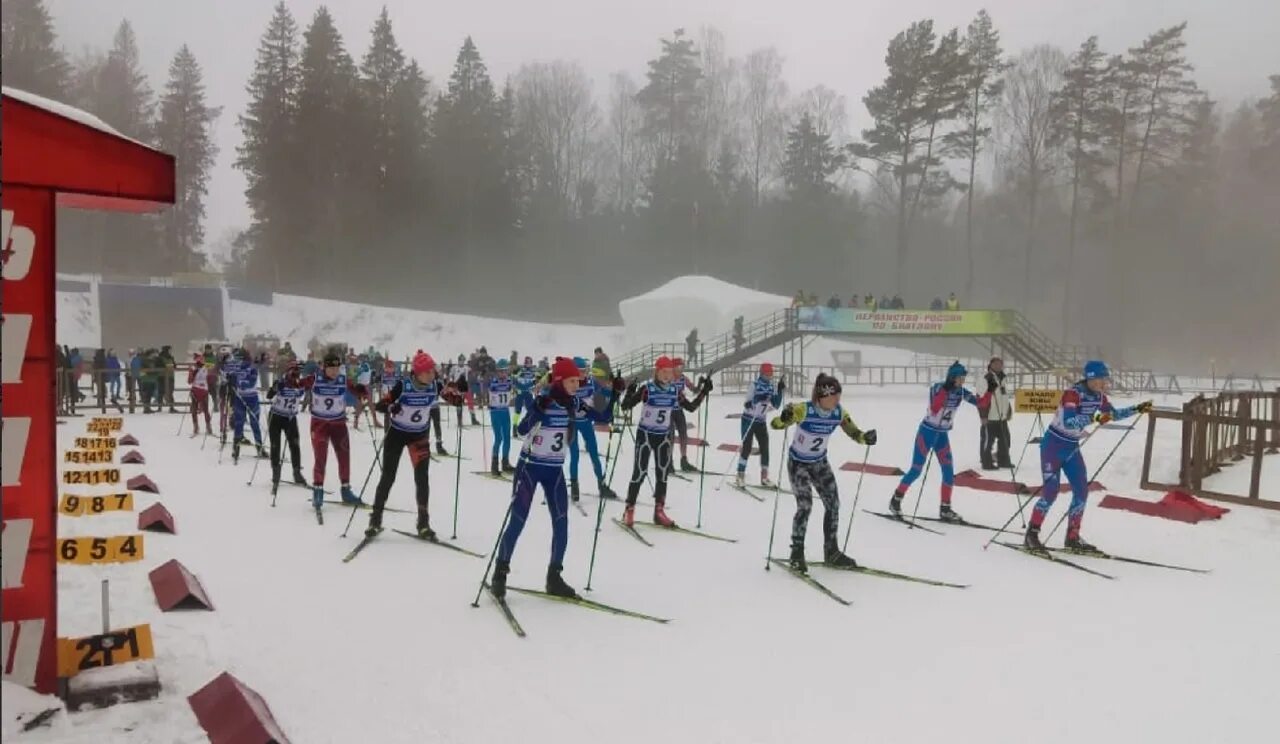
(393, 446)
(276, 424)
(660, 445)
(681, 428)
(435, 423)
(761, 434)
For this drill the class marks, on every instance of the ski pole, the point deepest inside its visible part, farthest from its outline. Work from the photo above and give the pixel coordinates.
(702, 459)
(742, 445)
(515, 480)
(853, 510)
(457, 483)
(773, 525)
(920, 494)
(1096, 473)
(360, 498)
(1032, 496)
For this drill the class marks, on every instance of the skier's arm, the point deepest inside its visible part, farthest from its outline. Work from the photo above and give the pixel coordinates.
(985, 400)
(634, 395)
(704, 389)
(861, 437)
(937, 399)
(788, 416)
(776, 399)
(1072, 418)
(275, 388)
(389, 399)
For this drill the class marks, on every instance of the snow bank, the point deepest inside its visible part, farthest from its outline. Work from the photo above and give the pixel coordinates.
(79, 323)
(22, 705)
(667, 313)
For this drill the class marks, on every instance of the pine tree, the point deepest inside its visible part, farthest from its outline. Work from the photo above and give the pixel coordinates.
(671, 99)
(381, 70)
(122, 97)
(1078, 116)
(269, 153)
(185, 130)
(809, 162)
(32, 60)
(1167, 100)
(1268, 151)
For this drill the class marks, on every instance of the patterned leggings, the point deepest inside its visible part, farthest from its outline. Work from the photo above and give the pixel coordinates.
(807, 477)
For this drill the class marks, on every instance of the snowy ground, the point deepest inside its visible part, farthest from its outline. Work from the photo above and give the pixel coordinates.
(388, 649)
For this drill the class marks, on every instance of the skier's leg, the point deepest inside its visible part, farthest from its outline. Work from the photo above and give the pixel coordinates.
(923, 442)
(522, 498)
(1077, 476)
(274, 426)
(1051, 457)
(637, 469)
(558, 506)
(661, 445)
(942, 445)
(319, 450)
(341, 439)
(587, 432)
(392, 447)
(802, 484)
(745, 452)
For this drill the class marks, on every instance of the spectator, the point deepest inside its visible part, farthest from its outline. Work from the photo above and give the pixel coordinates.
(739, 338)
(167, 362)
(871, 303)
(74, 371)
(898, 304)
(113, 375)
(952, 302)
(135, 374)
(100, 375)
(885, 302)
(936, 304)
(691, 347)
(996, 421)
(798, 300)
(150, 381)
(600, 362)
(853, 300)
(833, 303)
(514, 359)
(813, 299)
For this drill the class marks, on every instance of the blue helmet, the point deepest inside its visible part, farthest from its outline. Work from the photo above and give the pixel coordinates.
(504, 365)
(956, 370)
(1096, 370)
(580, 362)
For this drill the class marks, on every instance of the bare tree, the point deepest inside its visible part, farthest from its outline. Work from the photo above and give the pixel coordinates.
(625, 147)
(720, 125)
(828, 110)
(764, 94)
(1027, 126)
(555, 110)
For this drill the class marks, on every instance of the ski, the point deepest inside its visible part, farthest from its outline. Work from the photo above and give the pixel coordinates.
(903, 521)
(438, 457)
(1126, 559)
(436, 541)
(806, 578)
(771, 489)
(1051, 557)
(892, 575)
(680, 475)
(363, 507)
(488, 474)
(743, 489)
(632, 531)
(364, 543)
(502, 605)
(592, 605)
(966, 523)
(577, 504)
(687, 531)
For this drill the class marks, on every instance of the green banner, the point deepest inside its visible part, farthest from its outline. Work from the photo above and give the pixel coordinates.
(906, 322)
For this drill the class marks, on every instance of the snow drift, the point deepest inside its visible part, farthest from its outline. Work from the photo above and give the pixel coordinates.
(667, 313)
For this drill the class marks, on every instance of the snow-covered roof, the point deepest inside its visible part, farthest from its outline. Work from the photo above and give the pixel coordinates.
(79, 116)
(709, 287)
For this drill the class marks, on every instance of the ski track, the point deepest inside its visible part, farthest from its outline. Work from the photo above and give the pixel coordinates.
(388, 649)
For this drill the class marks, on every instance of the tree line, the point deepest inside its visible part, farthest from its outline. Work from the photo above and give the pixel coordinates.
(1102, 192)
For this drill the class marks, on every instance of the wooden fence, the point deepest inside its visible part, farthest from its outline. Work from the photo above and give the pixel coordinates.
(1217, 433)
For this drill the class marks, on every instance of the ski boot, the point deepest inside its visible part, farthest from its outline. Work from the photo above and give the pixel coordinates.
(349, 496)
(498, 582)
(317, 498)
(740, 480)
(235, 453)
(506, 467)
(686, 466)
(832, 556)
(299, 478)
(424, 526)
(556, 586)
(375, 523)
(573, 490)
(474, 420)
(796, 561)
(440, 450)
(947, 514)
(262, 452)
(1005, 464)
(494, 470)
(764, 479)
(1077, 544)
(1031, 541)
(605, 491)
(895, 505)
(987, 464)
(660, 517)
(629, 515)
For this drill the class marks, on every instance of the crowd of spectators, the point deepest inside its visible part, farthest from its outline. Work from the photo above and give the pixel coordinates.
(870, 302)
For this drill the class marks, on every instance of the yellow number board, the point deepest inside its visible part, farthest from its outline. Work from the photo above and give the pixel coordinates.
(1030, 400)
(77, 506)
(99, 423)
(84, 551)
(95, 443)
(90, 457)
(109, 476)
(122, 646)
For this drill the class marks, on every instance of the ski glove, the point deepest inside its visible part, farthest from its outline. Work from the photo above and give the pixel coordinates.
(868, 437)
(271, 391)
(777, 422)
(1144, 407)
(991, 383)
(1102, 418)
(782, 385)
(706, 385)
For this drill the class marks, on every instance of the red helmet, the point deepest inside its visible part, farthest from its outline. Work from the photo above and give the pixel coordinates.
(677, 362)
(563, 369)
(665, 362)
(422, 362)
(766, 370)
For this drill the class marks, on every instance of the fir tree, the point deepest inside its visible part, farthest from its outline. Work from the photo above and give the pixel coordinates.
(184, 130)
(32, 60)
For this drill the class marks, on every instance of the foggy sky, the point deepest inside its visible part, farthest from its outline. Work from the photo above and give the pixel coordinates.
(838, 43)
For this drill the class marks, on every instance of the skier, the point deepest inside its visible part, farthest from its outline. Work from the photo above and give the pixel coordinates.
(329, 425)
(525, 378)
(653, 434)
(586, 433)
(680, 428)
(408, 406)
(809, 469)
(286, 395)
(244, 403)
(198, 381)
(386, 380)
(500, 394)
(934, 435)
(763, 397)
(359, 371)
(547, 430)
(1082, 404)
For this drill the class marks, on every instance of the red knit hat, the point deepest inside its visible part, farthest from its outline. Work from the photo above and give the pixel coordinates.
(766, 370)
(665, 362)
(564, 368)
(422, 362)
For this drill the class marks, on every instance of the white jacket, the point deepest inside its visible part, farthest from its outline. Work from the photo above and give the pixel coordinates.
(1001, 406)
